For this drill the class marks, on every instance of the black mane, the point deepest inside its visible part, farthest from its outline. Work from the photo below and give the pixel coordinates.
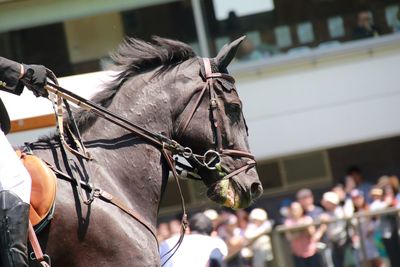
(133, 57)
(136, 56)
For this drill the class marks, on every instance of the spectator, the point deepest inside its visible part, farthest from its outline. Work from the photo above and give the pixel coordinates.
(175, 227)
(212, 251)
(360, 184)
(394, 182)
(163, 232)
(367, 227)
(259, 242)
(284, 210)
(303, 242)
(233, 237)
(388, 223)
(214, 217)
(306, 199)
(243, 220)
(365, 26)
(336, 232)
(344, 200)
(376, 194)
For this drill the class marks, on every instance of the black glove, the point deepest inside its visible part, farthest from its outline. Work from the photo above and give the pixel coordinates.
(35, 78)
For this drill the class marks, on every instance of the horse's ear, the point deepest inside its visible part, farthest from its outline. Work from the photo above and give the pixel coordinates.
(227, 53)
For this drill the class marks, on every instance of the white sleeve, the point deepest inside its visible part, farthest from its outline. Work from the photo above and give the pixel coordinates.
(221, 245)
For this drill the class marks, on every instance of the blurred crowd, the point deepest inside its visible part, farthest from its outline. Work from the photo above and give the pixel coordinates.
(339, 230)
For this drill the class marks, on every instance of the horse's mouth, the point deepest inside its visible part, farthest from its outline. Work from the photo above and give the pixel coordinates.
(230, 194)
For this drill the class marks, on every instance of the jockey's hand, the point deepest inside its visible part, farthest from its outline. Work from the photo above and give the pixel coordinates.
(35, 78)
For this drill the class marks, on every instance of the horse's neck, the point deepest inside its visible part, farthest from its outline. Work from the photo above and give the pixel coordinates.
(130, 167)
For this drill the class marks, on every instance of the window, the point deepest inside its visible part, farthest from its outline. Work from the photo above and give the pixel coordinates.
(173, 20)
(279, 27)
(305, 168)
(51, 50)
(336, 27)
(294, 171)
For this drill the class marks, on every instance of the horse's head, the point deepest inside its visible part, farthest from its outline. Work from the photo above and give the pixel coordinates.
(212, 125)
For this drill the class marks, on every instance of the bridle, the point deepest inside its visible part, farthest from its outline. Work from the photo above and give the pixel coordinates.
(169, 147)
(212, 158)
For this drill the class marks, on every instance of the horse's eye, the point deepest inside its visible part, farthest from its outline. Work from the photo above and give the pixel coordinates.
(233, 110)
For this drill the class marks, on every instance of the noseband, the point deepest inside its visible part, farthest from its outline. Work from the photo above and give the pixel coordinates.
(212, 158)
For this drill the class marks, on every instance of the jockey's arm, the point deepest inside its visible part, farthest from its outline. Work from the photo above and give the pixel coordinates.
(10, 74)
(14, 76)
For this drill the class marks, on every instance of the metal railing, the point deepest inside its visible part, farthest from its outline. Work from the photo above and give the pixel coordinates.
(280, 245)
(355, 220)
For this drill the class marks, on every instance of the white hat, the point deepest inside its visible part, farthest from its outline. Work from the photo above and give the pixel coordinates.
(331, 197)
(211, 214)
(258, 214)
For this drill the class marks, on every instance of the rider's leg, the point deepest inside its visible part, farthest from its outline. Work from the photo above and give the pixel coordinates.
(15, 188)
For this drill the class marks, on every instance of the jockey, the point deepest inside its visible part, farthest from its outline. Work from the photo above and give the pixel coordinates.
(15, 182)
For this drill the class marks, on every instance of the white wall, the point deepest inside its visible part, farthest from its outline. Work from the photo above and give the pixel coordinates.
(27, 105)
(323, 107)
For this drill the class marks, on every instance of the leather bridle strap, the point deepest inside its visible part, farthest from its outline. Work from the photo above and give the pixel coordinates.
(184, 221)
(209, 75)
(182, 129)
(250, 164)
(37, 250)
(237, 153)
(216, 122)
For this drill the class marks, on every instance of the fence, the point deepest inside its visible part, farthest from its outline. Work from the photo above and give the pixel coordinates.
(282, 251)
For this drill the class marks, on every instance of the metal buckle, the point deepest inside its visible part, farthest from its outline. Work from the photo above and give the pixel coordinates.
(187, 152)
(213, 103)
(211, 159)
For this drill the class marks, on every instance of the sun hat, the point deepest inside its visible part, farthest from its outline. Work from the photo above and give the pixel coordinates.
(331, 197)
(258, 215)
(211, 214)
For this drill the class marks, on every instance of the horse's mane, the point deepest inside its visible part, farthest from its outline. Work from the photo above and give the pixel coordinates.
(134, 57)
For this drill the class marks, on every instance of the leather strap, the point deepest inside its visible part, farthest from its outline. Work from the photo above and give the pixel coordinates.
(107, 197)
(184, 221)
(182, 129)
(217, 121)
(39, 256)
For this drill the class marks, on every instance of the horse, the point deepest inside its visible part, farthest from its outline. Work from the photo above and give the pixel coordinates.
(161, 86)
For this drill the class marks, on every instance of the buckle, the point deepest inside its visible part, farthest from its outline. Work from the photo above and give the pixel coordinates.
(211, 159)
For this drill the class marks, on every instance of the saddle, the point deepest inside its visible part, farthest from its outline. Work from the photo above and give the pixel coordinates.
(44, 184)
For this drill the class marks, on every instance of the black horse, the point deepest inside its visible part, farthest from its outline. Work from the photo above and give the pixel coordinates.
(161, 87)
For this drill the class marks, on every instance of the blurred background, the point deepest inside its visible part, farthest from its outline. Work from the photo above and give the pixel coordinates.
(319, 79)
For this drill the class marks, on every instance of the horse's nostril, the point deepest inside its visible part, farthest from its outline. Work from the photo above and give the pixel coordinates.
(256, 190)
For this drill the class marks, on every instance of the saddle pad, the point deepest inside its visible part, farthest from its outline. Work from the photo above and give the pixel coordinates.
(44, 184)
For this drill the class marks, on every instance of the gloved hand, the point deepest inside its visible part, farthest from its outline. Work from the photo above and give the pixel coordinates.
(35, 78)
